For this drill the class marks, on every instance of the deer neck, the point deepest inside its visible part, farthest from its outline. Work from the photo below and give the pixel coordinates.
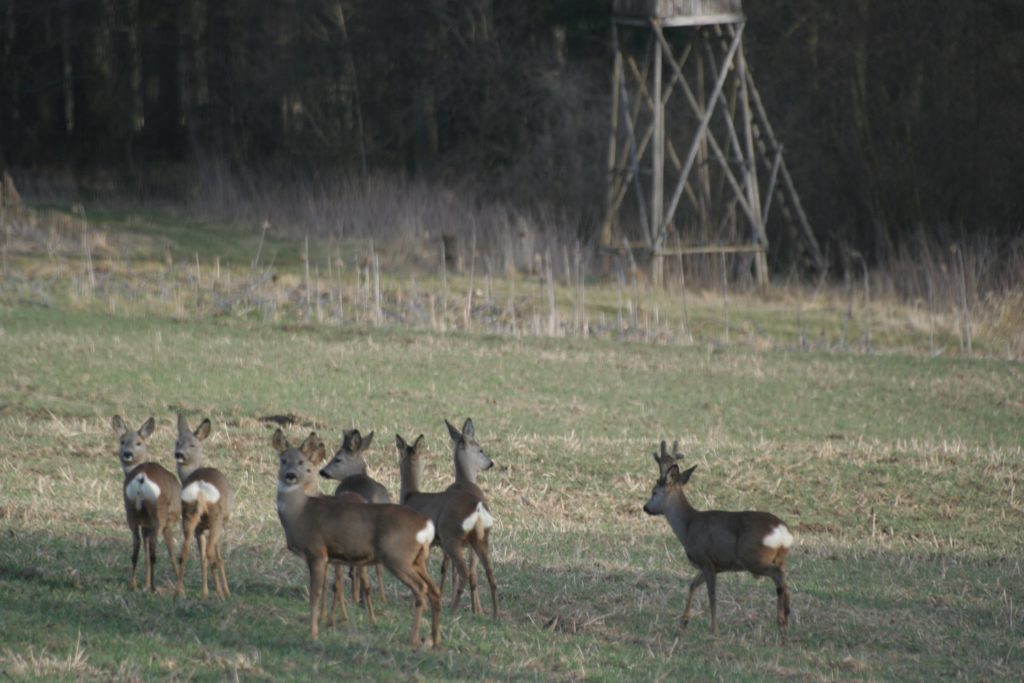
(291, 503)
(678, 512)
(185, 471)
(464, 472)
(410, 479)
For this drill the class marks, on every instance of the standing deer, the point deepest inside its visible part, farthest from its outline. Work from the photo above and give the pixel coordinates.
(717, 541)
(470, 460)
(321, 529)
(152, 502)
(206, 502)
(460, 517)
(349, 468)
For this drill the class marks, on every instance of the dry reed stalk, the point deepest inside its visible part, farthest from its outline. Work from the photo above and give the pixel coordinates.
(444, 285)
(305, 263)
(965, 313)
(867, 306)
(725, 300)
(553, 322)
(378, 310)
(319, 311)
(682, 287)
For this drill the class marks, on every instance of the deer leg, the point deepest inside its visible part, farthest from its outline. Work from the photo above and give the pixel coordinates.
(709, 578)
(380, 583)
(169, 542)
(136, 544)
(189, 528)
(453, 551)
(353, 579)
(204, 561)
(339, 596)
(445, 563)
(220, 579)
(150, 539)
(364, 587)
(434, 595)
(694, 585)
(474, 592)
(778, 576)
(317, 575)
(480, 547)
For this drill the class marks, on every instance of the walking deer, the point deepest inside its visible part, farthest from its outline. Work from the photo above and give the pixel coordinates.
(152, 502)
(717, 541)
(206, 502)
(322, 529)
(460, 518)
(349, 468)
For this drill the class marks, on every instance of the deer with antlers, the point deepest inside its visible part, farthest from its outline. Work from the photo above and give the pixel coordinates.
(718, 541)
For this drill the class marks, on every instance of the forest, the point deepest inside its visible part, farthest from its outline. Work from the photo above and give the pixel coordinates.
(901, 120)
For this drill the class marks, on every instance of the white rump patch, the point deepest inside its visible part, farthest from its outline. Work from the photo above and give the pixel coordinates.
(481, 516)
(140, 489)
(426, 535)
(200, 490)
(779, 538)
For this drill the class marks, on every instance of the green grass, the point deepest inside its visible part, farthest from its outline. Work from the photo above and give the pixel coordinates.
(899, 474)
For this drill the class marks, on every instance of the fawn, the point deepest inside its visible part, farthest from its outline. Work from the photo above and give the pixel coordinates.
(152, 502)
(206, 502)
(460, 517)
(718, 541)
(323, 529)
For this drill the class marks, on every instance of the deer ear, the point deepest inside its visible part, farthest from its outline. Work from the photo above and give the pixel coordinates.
(467, 428)
(147, 428)
(672, 474)
(453, 432)
(418, 444)
(182, 424)
(309, 445)
(355, 441)
(118, 424)
(685, 476)
(203, 430)
(400, 444)
(367, 440)
(319, 453)
(279, 443)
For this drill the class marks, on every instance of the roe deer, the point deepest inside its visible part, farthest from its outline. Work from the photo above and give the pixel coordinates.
(349, 468)
(718, 541)
(152, 500)
(460, 517)
(322, 529)
(206, 502)
(358, 576)
(470, 460)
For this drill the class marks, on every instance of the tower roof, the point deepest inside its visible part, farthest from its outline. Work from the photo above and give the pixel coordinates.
(679, 12)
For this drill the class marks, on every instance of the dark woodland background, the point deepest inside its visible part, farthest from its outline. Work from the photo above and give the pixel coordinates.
(900, 118)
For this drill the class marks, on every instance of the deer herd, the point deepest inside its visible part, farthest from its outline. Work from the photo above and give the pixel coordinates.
(361, 526)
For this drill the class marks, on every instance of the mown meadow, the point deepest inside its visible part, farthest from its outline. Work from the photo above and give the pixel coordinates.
(899, 471)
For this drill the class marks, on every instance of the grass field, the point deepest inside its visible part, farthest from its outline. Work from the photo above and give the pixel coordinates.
(899, 473)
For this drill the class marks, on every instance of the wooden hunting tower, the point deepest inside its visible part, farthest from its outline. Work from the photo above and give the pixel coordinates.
(714, 133)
